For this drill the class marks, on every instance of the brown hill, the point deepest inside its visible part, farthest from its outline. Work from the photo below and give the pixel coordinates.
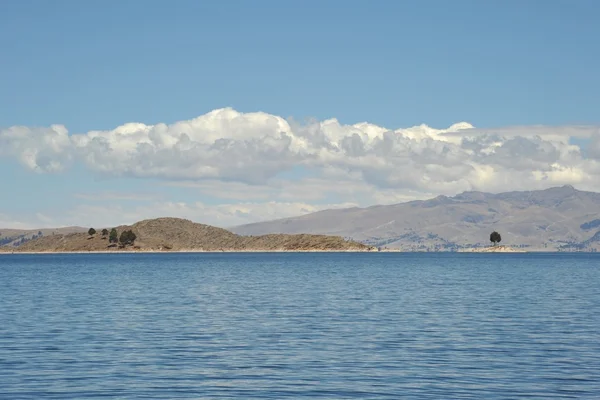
(174, 234)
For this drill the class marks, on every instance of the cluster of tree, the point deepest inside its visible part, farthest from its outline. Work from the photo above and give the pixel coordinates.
(126, 238)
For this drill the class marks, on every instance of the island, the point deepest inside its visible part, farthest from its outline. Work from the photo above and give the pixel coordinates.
(181, 235)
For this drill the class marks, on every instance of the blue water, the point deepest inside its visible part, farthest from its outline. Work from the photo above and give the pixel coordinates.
(302, 326)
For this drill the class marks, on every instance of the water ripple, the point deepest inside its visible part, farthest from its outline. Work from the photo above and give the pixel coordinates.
(274, 326)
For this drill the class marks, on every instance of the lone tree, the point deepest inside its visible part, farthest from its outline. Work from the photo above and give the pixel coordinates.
(495, 237)
(127, 237)
(92, 232)
(104, 232)
(114, 236)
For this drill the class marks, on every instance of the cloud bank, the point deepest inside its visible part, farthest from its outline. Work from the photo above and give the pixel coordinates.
(265, 158)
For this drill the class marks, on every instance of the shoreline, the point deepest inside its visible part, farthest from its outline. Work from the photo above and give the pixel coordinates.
(196, 251)
(182, 251)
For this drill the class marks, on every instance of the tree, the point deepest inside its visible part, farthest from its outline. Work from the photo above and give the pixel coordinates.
(92, 232)
(495, 237)
(127, 237)
(104, 232)
(114, 236)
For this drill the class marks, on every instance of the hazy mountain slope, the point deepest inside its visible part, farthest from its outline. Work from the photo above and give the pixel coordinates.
(179, 234)
(560, 217)
(16, 237)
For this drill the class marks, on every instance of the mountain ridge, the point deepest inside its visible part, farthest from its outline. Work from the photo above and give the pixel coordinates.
(551, 219)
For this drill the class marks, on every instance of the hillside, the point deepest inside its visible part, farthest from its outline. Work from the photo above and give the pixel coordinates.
(560, 218)
(17, 237)
(173, 234)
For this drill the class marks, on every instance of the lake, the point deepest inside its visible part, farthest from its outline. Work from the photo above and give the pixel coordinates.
(300, 326)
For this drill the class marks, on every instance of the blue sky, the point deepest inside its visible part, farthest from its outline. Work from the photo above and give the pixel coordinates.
(94, 66)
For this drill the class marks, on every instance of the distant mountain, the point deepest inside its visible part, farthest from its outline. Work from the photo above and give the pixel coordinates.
(17, 237)
(559, 218)
(174, 234)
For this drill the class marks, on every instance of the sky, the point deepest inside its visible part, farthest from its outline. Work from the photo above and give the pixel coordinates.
(230, 112)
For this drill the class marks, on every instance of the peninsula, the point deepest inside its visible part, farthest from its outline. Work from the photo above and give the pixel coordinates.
(175, 234)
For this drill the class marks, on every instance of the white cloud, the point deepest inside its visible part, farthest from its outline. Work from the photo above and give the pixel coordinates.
(241, 157)
(39, 149)
(223, 144)
(555, 133)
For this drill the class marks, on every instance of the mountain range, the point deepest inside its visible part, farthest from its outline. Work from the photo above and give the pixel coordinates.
(555, 219)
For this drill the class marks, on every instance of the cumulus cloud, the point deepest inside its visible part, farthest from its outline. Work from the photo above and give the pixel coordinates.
(556, 133)
(39, 149)
(223, 144)
(254, 149)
